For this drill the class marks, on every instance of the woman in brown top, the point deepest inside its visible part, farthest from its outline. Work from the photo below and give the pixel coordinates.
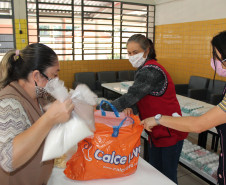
(23, 122)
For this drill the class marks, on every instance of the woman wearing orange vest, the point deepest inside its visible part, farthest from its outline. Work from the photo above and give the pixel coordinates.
(153, 93)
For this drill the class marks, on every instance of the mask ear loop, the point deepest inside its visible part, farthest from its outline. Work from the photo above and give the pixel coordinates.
(42, 110)
(215, 69)
(36, 85)
(214, 72)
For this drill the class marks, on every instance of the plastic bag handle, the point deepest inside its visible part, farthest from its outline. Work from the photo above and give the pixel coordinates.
(116, 128)
(103, 113)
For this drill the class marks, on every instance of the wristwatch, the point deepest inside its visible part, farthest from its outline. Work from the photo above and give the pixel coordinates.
(157, 118)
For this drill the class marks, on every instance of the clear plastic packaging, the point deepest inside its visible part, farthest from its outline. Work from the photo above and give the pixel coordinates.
(203, 159)
(65, 136)
(188, 107)
(211, 168)
(199, 112)
(197, 154)
(187, 150)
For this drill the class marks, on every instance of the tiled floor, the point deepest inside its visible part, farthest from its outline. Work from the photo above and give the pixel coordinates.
(185, 177)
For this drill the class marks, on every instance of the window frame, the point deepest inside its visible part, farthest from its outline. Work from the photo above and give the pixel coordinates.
(11, 17)
(82, 23)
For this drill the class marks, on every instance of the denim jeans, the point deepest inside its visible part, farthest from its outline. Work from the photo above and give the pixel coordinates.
(166, 159)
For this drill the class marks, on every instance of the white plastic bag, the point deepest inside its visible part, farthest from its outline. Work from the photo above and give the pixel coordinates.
(65, 136)
(84, 100)
(83, 93)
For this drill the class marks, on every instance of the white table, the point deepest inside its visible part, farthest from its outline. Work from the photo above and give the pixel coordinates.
(116, 87)
(145, 175)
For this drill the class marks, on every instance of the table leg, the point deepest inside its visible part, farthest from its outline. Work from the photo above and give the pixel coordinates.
(213, 142)
(146, 156)
(202, 139)
(216, 143)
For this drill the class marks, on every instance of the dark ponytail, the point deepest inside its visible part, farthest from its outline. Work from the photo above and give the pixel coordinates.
(151, 54)
(7, 67)
(18, 65)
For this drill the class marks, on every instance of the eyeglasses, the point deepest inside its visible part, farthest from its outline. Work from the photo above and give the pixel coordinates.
(45, 76)
(223, 61)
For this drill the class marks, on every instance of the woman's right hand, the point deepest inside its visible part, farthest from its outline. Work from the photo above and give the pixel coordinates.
(60, 112)
(148, 123)
(128, 111)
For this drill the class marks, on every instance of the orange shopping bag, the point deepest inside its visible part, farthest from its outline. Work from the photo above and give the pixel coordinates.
(112, 152)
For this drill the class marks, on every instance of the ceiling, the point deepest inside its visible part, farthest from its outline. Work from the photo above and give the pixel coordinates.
(151, 2)
(156, 2)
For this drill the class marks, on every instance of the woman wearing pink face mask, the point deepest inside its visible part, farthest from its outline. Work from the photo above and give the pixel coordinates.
(219, 67)
(216, 117)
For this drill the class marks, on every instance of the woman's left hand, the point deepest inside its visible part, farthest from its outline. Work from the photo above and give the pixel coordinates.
(128, 111)
(149, 123)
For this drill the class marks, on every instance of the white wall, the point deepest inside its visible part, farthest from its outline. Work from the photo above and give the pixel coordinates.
(19, 9)
(151, 2)
(189, 10)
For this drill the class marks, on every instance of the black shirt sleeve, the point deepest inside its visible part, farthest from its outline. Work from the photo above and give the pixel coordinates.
(148, 80)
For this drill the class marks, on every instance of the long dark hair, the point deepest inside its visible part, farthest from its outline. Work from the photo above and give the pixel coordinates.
(218, 43)
(17, 65)
(144, 43)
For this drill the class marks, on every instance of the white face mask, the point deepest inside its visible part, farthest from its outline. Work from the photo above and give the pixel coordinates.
(137, 60)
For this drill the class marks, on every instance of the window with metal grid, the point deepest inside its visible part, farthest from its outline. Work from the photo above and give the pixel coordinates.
(6, 27)
(88, 29)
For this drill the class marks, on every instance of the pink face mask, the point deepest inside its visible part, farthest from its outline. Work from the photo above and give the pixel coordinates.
(219, 70)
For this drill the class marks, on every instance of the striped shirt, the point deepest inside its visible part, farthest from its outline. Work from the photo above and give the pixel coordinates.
(221, 129)
(222, 104)
(13, 121)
